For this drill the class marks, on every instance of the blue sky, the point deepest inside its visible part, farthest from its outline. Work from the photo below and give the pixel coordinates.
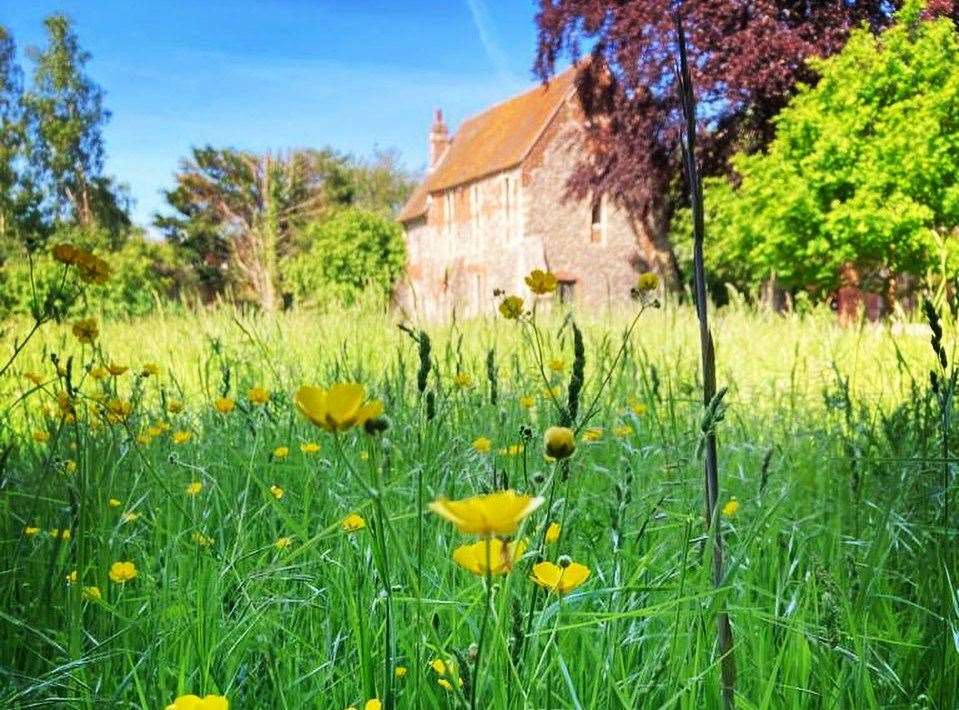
(351, 74)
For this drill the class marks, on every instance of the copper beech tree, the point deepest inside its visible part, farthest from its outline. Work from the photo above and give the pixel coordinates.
(745, 56)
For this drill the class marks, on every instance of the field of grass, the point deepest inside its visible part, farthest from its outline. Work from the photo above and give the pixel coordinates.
(841, 572)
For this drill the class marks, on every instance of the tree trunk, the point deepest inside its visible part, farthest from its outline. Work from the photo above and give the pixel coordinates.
(652, 233)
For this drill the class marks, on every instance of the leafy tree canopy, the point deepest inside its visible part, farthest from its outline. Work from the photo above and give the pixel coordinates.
(746, 58)
(863, 170)
(355, 253)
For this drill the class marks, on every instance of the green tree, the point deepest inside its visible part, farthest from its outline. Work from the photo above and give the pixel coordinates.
(354, 253)
(381, 184)
(21, 220)
(237, 214)
(863, 171)
(65, 117)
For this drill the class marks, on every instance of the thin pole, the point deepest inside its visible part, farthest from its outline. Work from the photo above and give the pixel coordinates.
(724, 632)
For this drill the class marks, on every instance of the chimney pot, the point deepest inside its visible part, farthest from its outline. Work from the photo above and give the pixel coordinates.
(439, 139)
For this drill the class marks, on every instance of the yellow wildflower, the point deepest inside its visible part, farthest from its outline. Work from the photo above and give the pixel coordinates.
(99, 373)
(400, 672)
(92, 268)
(201, 539)
(593, 434)
(276, 491)
(70, 466)
(72, 577)
(638, 408)
(224, 405)
(309, 447)
(513, 450)
(648, 282)
(482, 445)
(122, 572)
(559, 441)
(41, 437)
(258, 395)
(283, 542)
(511, 308)
(463, 380)
(493, 556)
(195, 702)
(194, 488)
(552, 533)
(541, 282)
(731, 507)
(66, 253)
(86, 330)
(623, 430)
(116, 370)
(150, 368)
(118, 410)
(281, 452)
(130, 516)
(339, 408)
(352, 523)
(527, 401)
(373, 704)
(114, 503)
(34, 377)
(556, 365)
(30, 531)
(561, 578)
(174, 406)
(181, 437)
(92, 593)
(497, 513)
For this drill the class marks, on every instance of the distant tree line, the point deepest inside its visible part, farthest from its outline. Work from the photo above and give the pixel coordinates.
(305, 225)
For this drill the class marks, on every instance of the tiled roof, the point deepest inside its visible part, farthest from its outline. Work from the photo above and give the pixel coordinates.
(492, 141)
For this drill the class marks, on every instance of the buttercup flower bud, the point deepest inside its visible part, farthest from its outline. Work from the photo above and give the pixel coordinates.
(559, 441)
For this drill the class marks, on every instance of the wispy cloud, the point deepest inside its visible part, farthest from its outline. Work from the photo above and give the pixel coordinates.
(481, 18)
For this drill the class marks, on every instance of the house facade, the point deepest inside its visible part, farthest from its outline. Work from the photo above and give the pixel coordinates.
(491, 208)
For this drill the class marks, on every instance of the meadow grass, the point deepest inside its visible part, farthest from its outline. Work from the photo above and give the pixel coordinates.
(840, 578)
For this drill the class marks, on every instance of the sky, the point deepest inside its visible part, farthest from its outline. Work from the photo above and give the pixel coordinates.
(355, 75)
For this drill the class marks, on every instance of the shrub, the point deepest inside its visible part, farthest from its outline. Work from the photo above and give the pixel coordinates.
(354, 252)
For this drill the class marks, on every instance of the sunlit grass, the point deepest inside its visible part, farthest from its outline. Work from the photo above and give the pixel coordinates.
(834, 584)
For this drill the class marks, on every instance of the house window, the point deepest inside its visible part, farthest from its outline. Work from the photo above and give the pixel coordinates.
(596, 226)
(567, 291)
(478, 285)
(449, 212)
(507, 205)
(475, 204)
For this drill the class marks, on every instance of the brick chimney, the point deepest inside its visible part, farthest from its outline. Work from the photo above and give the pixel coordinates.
(439, 139)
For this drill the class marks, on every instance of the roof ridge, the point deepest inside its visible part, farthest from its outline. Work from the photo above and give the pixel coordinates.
(495, 139)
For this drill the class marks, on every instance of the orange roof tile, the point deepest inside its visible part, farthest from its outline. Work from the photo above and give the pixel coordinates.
(496, 139)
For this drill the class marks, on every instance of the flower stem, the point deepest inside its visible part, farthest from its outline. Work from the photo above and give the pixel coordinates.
(488, 599)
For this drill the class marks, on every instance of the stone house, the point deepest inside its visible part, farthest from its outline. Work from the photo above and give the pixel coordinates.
(491, 208)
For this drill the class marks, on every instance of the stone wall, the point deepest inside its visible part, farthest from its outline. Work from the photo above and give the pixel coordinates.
(457, 257)
(600, 265)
